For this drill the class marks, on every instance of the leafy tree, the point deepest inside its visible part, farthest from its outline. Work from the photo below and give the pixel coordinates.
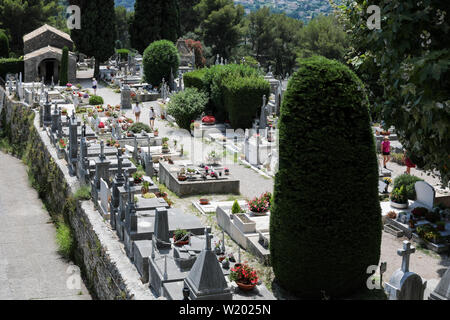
(411, 57)
(4, 45)
(97, 34)
(260, 31)
(19, 17)
(160, 58)
(64, 68)
(323, 36)
(154, 20)
(316, 220)
(186, 106)
(220, 25)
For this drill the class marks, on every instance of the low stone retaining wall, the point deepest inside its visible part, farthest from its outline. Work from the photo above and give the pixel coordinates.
(107, 271)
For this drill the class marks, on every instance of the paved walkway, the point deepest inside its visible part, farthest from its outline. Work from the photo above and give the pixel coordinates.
(30, 267)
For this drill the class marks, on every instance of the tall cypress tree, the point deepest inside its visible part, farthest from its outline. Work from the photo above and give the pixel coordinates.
(97, 35)
(154, 20)
(4, 45)
(64, 69)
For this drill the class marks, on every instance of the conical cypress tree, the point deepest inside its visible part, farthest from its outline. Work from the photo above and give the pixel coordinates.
(64, 67)
(325, 225)
(4, 45)
(152, 21)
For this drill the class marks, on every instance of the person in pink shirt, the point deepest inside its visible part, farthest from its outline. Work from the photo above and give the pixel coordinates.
(386, 151)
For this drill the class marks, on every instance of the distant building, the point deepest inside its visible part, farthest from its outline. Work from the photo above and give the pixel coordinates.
(43, 54)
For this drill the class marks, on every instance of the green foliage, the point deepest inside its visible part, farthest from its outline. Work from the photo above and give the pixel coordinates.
(123, 54)
(95, 100)
(194, 79)
(399, 195)
(181, 234)
(186, 106)
(316, 219)
(152, 21)
(98, 30)
(189, 20)
(220, 24)
(11, 65)
(408, 181)
(138, 127)
(123, 21)
(4, 45)
(323, 36)
(413, 76)
(236, 208)
(64, 240)
(19, 17)
(160, 58)
(84, 193)
(248, 92)
(64, 68)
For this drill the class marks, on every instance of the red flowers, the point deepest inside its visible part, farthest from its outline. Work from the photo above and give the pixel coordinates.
(209, 119)
(101, 125)
(244, 274)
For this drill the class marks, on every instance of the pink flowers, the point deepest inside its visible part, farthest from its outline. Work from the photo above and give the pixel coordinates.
(261, 204)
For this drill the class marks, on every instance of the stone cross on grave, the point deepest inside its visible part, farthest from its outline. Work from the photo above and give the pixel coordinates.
(102, 150)
(208, 238)
(405, 253)
(119, 163)
(218, 59)
(59, 123)
(83, 130)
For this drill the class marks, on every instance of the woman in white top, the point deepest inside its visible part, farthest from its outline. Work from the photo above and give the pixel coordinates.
(94, 86)
(137, 111)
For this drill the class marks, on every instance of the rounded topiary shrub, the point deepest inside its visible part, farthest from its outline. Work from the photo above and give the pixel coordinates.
(138, 127)
(95, 100)
(186, 106)
(160, 58)
(325, 225)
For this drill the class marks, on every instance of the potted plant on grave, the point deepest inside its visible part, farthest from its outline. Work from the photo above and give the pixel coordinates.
(236, 209)
(182, 175)
(149, 195)
(213, 174)
(204, 201)
(64, 112)
(145, 187)
(62, 143)
(181, 237)
(110, 142)
(392, 215)
(227, 171)
(387, 181)
(155, 132)
(244, 276)
(213, 157)
(217, 248)
(165, 148)
(259, 206)
(399, 198)
(138, 177)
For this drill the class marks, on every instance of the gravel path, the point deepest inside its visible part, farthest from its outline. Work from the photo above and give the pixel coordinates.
(30, 267)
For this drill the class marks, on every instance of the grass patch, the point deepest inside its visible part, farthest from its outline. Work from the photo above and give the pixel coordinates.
(64, 240)
(84, 193)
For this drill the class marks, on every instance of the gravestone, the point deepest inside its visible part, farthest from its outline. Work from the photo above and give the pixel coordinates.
(206, 280)
(54, 120)
(119, 181)
(161, 233)
(82, 166)
(425, 194)
(104, 198)
(47, 112)
(405, 285)
(101, 171)
(59, 125)
(442, 291)
(125, 97)
(263, 117)
(73, 143)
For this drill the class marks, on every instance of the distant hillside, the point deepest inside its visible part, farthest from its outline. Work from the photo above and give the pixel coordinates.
(299, 9)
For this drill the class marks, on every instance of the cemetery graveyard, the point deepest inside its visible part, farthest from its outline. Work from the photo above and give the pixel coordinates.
(185, 206)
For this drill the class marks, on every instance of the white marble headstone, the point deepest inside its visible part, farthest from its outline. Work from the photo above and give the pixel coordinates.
(425, 194)
(104, 196)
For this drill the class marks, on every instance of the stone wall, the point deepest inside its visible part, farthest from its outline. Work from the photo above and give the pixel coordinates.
(107, 271)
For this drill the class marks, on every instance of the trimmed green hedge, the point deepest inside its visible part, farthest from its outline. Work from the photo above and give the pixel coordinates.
(123, 54)
(243, 98)
(194, 79)
(186, 106)
(138, 127)
(159, 59)
(11, 65)
(213, 80)
(325, 225)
